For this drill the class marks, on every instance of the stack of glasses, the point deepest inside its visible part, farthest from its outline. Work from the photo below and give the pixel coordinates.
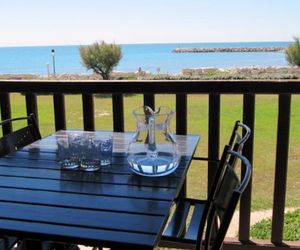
(87, 152)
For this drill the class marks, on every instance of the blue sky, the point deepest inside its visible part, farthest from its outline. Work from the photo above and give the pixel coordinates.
(63, 22)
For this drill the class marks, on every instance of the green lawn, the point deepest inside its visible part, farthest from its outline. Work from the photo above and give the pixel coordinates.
(264, 141)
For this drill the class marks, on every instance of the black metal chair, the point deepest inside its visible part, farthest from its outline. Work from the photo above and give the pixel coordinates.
(12, 141)
(220, 205)
(238, 138)
(20, 137)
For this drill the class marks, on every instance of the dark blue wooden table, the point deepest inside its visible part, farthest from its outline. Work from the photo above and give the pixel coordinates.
(110, 208)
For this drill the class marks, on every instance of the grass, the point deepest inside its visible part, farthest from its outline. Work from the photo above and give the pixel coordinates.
(231, 110)
(262, 229)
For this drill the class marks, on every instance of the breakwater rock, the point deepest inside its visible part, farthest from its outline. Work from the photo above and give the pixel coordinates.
(243, 49)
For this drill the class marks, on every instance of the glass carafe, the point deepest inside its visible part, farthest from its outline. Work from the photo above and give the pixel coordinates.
(153, 150)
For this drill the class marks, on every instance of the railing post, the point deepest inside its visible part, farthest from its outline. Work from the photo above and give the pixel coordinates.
(59, 111)
(149, 100)
(181, 126)
(118, 112)
(214, 108)
(283, 131)
(213, 135)
(181, 114)
(31, 105)
(88, 112)
(5, 112)
(245, 203)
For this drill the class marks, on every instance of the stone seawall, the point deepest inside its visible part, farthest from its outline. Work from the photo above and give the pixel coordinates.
(244, 49)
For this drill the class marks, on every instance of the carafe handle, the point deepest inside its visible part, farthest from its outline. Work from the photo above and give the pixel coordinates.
(152, 151)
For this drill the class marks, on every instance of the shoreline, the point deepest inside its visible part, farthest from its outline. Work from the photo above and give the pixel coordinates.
(255, 72)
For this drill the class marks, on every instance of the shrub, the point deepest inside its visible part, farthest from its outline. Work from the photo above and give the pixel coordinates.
(293, 53)
(262, 229)
(101, 57)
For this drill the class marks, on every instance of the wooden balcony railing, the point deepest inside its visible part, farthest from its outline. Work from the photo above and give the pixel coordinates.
(214, 89)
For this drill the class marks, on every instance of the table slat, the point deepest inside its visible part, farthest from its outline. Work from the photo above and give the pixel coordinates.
(92, 202)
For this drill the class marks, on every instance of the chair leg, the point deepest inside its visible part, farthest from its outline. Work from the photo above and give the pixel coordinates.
(29, 244)
(45, 245)
(8, 243)
(59, 246)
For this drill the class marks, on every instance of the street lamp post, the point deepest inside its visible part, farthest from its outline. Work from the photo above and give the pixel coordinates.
(53, 60)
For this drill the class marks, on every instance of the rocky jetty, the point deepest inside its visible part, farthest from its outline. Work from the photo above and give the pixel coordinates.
(242, 49)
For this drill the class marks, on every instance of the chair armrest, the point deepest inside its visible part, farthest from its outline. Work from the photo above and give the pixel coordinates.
(205, 159)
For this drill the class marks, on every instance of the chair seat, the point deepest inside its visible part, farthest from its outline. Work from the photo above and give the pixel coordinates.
(177, 225)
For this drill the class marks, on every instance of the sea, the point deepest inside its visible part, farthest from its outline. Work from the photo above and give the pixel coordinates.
(149, 57)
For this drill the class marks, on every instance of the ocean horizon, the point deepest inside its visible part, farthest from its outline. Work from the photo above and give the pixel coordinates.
(149, 56)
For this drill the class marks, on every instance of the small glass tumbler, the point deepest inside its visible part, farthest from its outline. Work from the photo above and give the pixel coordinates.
(90, 154)
(75, 145)
(64, 155)
(106, 149)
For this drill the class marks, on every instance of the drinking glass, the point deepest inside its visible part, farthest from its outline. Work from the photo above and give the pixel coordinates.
(90, 154)
(106, 148)
(75, 145)
(64, 155)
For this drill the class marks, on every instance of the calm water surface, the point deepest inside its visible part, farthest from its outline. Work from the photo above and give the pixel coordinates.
(147, 56)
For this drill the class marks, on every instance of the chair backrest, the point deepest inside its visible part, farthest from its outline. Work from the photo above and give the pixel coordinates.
(238, 138)
(228, 160)
(21, 137)
(240, 134)
(225, 200)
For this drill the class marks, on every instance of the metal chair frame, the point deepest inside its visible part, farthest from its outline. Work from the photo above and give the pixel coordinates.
(240, 134)
(19, 138)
